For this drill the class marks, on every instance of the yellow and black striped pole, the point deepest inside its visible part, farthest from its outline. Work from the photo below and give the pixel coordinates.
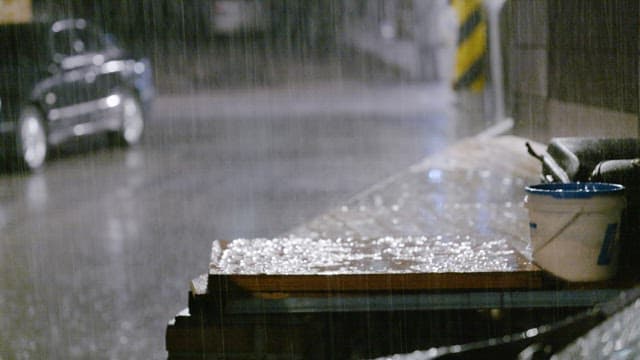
(471, 53)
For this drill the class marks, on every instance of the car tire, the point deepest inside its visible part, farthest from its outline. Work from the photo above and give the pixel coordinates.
(132, 123)
(32, 146)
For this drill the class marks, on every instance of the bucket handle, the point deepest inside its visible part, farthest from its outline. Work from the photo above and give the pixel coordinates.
(557, 172)
(573, 218)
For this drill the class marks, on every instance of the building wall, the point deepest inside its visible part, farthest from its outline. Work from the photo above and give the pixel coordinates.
(572, 67)
(526, 37)
(593, 62)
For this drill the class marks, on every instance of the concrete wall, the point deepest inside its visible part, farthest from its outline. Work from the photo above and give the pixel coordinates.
(572, 67)
(420, 42)
(411, 35)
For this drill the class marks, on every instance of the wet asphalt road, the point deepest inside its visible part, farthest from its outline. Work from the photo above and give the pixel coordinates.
(96, 251)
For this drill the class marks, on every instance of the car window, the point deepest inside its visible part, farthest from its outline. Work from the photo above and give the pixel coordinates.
(89, 39)
(64, 44)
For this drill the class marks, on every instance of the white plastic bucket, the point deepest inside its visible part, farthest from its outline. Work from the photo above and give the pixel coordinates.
(575, 228)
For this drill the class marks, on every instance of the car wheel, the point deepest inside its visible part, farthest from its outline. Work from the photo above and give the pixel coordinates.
(31, 140)
(132, 122)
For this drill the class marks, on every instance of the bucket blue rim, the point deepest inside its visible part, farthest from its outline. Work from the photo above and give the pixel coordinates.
(575, 190)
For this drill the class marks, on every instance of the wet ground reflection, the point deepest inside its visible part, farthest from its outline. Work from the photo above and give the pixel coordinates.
(97, 250)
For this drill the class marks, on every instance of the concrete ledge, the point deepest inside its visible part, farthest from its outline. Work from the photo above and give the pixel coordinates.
(470, 187)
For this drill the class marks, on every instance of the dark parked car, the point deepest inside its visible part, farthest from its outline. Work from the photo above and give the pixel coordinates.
(65, 79)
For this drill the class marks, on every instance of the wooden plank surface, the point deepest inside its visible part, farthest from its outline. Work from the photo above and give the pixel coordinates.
(454, 221)
(344, 265)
